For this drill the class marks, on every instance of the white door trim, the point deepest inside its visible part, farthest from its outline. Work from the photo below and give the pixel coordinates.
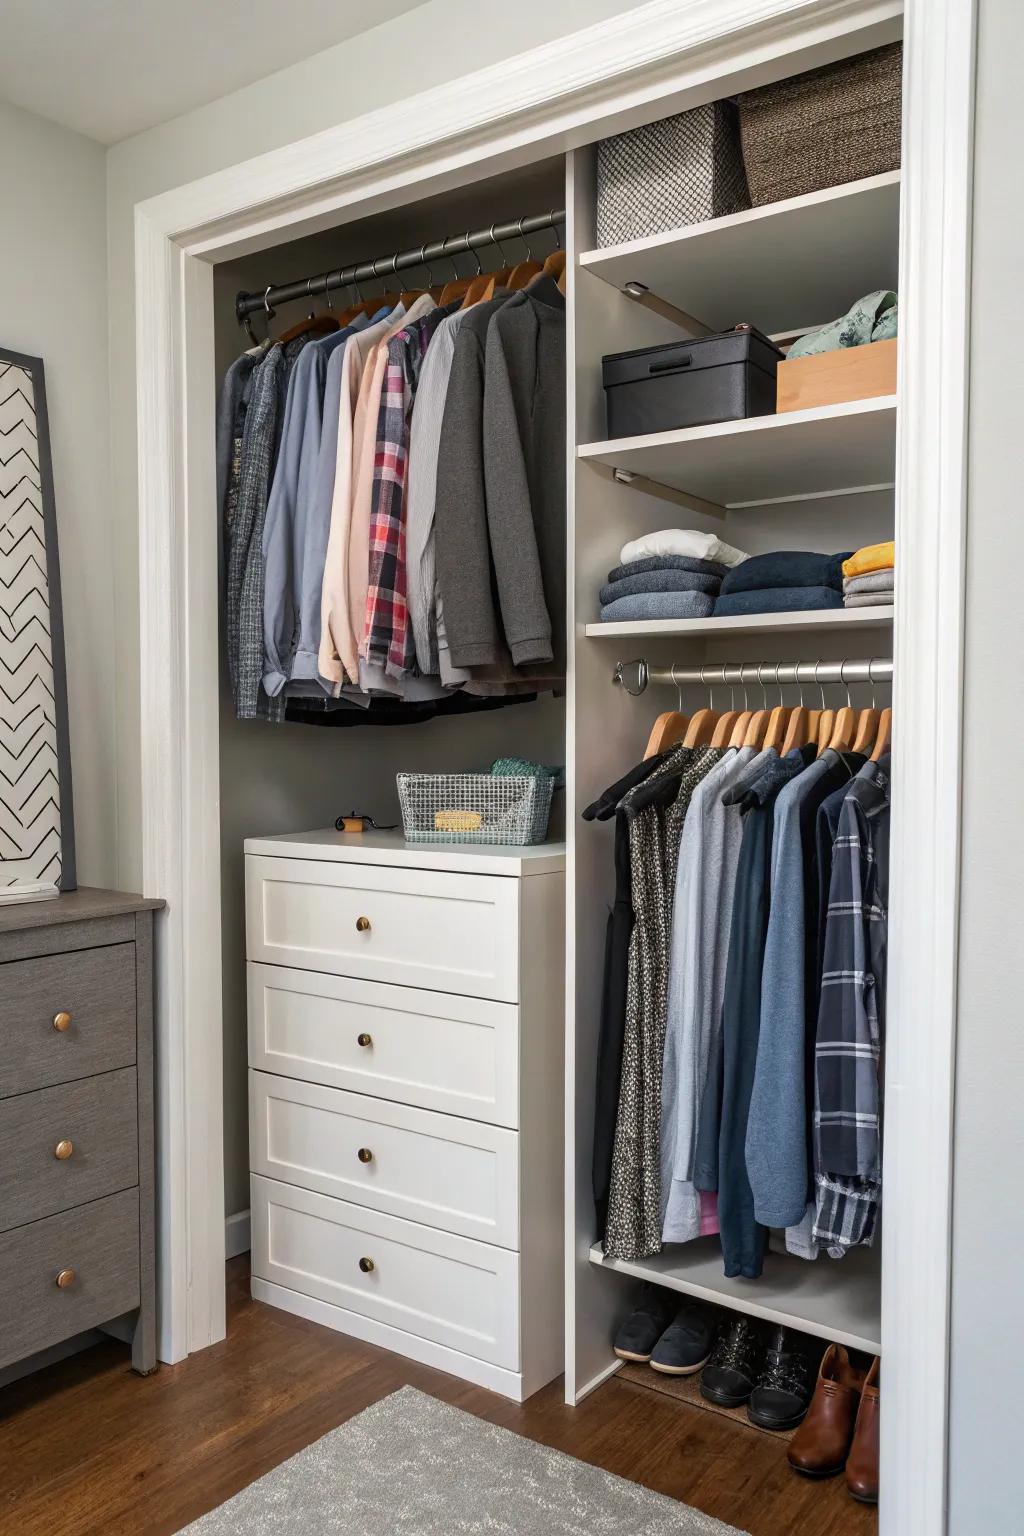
(560, 96)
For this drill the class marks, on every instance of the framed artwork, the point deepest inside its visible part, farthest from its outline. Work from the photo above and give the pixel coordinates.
(37, 837)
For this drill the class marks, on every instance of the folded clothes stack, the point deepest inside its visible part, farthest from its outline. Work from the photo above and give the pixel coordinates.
(785, 581)
(675, 573)
(869, 576)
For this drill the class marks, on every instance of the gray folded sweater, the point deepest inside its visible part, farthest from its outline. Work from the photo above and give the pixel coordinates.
(659, 605)
(659, 581)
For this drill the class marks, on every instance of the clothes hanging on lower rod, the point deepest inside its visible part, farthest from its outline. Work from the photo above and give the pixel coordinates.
(393, 504)
(743, 1009)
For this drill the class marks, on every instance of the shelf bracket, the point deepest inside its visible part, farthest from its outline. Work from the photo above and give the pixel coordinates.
(668, 493)
(641, 294)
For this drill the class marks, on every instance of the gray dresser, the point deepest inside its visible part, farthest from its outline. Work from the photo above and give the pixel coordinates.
(76, 1122)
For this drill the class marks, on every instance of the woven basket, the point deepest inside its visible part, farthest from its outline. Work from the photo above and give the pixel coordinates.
(823, 128)
(680, 170)
(474, 807)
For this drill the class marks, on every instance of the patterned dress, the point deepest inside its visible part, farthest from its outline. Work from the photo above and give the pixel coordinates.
(633, 1228)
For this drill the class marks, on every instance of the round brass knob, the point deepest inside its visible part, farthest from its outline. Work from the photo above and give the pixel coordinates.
(62, 1021)
(362, 925)
(364, 1040)
(365, 1155)
(366, 1265)
(63, 1150)
(65, 1278)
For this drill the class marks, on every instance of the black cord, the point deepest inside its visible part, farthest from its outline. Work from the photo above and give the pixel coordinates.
(367, 821)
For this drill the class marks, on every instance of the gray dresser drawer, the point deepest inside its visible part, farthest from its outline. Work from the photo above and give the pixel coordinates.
(96, 987)
(60, 1147)
(98, 1244)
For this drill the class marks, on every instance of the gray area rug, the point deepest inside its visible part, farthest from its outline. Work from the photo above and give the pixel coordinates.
(412, 1466)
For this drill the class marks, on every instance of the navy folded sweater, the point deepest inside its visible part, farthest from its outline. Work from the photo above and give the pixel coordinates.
(777, 600)
(660, 581)
(669, 563)
(786, 568)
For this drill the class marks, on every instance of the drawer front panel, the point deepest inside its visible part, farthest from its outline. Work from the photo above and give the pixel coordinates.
(99, 1243)
(419, 928)
(456, 1175)
(431, 1284)
(92, 1124)
(96, 987)
(444, 1052)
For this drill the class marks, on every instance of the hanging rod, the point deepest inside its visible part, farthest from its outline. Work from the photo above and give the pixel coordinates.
(384, 266)
(736, 673)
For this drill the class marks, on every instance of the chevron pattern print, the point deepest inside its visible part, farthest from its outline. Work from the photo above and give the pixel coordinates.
(30, 824)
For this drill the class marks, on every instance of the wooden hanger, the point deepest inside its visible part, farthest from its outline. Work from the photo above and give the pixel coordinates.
(798, 730)
(554, 265)
(700, 729)
(844, 729)
(667, 731)
(313, 325)
(740, 729)
(521, 274)
(777, 722)
(562, 281)
(757, 728)
(477, 290)
(826, 725)
(722, 735)
(867, 730)
(883, 740)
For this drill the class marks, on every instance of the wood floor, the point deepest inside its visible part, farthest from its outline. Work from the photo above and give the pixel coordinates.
(86, 1447)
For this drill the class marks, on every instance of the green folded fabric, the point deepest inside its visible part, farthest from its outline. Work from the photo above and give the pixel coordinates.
(872, 318)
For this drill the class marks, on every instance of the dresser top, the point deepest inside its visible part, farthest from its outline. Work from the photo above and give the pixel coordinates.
(73, 907)
(391, 848)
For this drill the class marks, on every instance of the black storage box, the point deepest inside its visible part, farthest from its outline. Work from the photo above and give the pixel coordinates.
(691, 383)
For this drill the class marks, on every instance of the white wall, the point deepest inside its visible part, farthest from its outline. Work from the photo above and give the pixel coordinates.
(437, 42)
(53, 305)
(988, 1229)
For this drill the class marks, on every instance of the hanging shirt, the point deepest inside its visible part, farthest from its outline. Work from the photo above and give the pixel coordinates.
(339, 652)
(851, 1019)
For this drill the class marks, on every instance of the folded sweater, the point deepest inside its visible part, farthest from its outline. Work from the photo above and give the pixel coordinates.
(777, 600)
(873, 557)
(867, 599)
(660, 581)
(659, 605)
(786, 568)
(669, 563)
(681, 541)
(874, 581)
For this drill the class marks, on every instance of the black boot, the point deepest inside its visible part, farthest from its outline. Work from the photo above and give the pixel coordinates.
(730, 1374)
(782, 1394)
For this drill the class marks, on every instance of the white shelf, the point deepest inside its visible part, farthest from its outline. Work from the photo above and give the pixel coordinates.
(819, 452)
(750, 624)
(836, 1299)
(782, 267)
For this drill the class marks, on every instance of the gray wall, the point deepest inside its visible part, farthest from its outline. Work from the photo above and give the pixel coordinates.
(988, 1213)
(53, 304)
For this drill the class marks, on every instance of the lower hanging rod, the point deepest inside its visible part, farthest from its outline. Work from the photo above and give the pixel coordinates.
(401, 261)
(736, 673)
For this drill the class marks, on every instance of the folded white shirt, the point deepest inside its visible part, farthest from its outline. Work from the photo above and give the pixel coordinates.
(681, 541)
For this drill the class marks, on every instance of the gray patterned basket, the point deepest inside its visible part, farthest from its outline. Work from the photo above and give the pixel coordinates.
(824, 127)
(474, 807)
(681, 170)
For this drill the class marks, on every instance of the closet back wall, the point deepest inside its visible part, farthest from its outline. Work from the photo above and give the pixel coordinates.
(294, 777)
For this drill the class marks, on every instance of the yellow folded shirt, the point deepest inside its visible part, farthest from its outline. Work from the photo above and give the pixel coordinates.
(873, 557)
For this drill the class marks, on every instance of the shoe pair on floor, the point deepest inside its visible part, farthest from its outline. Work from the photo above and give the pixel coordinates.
(841, 1427)
(742, 1362)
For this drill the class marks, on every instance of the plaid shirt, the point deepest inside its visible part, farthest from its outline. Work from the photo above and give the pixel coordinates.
(388, 638)
(851, 1022)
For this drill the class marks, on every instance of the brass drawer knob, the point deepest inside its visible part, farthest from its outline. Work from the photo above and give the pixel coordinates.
(364, 1040)
(362, 925)
(63, 1150)
(365, 1155)
(367, 1266)
(61, 1022)
(65, 1279)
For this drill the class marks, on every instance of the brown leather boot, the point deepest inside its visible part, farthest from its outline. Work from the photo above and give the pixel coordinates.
(862, 1462)
(820, 1446)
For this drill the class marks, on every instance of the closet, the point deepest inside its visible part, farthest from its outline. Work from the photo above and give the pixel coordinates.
(818, 478)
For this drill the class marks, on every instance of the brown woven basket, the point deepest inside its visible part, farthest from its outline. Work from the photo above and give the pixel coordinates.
(823, 128)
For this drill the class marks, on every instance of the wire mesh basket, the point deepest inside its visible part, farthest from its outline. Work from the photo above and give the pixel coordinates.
(474, 807)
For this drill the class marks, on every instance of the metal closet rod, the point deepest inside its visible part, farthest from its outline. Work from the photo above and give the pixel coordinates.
(736, 673)
(384, 266)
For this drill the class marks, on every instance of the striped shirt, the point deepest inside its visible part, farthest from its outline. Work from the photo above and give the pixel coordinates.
(851, 1019)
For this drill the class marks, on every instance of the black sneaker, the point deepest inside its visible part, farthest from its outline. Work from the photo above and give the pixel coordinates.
(730, 1373)
(655, 1309)
(782, 1394)
(686, 1343)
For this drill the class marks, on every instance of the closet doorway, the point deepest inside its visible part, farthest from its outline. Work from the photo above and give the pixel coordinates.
(655, 61)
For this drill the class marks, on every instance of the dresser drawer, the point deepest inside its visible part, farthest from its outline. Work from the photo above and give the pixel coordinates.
(439, 1051)
(95, 1246)
(457, 1175)
(62, 1146)
(94, 988)
(419, 928)
(449, 1289)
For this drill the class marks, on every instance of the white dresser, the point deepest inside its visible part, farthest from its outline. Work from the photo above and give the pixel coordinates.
(406, 1028)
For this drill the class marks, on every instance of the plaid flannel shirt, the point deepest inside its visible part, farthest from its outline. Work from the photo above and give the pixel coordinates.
(851, 1020)
(388, 638)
